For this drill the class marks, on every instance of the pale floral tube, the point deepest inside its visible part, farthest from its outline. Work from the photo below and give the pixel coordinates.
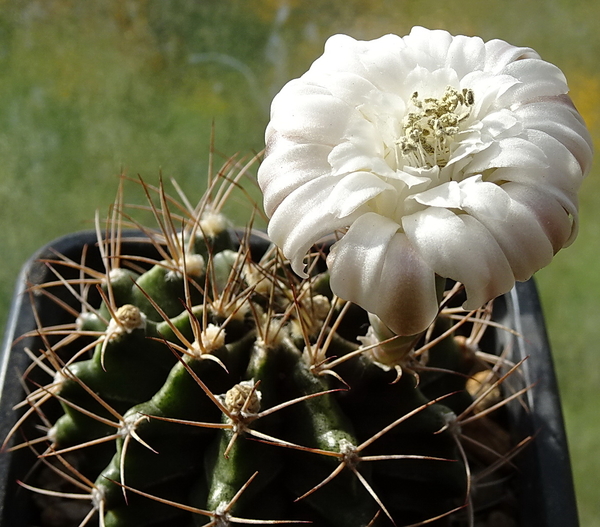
(429, 156)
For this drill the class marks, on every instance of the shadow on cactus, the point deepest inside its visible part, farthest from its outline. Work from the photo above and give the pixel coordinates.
(195, 380)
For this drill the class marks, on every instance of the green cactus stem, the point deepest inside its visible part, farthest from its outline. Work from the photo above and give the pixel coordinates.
(221, 382)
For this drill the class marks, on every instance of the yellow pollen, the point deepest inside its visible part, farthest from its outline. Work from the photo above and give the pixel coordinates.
(429, 129)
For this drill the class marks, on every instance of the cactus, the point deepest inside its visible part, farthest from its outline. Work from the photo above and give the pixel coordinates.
(211, 378)
(208, 385)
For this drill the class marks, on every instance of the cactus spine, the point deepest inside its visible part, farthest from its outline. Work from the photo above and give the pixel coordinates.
(212, 387)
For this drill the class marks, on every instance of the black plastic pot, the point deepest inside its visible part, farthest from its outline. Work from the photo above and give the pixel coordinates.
(544, 481)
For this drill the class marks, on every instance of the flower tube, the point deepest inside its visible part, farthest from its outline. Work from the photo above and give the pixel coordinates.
(430, 156)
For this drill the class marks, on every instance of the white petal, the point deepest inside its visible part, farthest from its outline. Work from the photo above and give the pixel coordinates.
(500, 124)
(556, 221)
(561, 176)
(500, 53)
(376, 267)
(514, 226)
(347, 157)
(488, 200)
(380, 60)
(355, 190)
(447, 195)
(465, 54)
(301, 221)
(428, 83)
(341, 53)
(433, 44)
(418, 178)
(289, 166)
(559, 118)
(508, 152)
(537, 78)
(481, 135)
(361, 149)
(565, 172)
(487, 88)
(346, 86)
(386, 62)
(471, 143)
(309, 115)
(457, 246)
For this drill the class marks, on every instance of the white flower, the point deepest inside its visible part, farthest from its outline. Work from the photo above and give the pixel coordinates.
(430, 155)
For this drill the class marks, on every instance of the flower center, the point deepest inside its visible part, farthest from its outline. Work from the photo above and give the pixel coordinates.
(429, 128)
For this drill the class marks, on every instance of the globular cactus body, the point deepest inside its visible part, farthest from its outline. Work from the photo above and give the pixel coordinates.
(223, 389)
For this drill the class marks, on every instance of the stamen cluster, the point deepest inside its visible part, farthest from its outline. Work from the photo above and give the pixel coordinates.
(428, 130)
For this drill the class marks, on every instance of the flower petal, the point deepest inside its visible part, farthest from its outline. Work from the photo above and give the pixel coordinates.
(447, 195)
(433, 44)
(508, 152)
(355, 190)
(308, 114)
(465, 54)
(556, 221)
(302, 163)
(376, 267)
(538, 78)
(300, 220)
(559, 119)
(458, 246)
(380, 60)
(500, 54)
(561, 176)
(514, 226)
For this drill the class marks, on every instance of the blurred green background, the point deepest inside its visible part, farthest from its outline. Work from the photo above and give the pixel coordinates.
(90, 89)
